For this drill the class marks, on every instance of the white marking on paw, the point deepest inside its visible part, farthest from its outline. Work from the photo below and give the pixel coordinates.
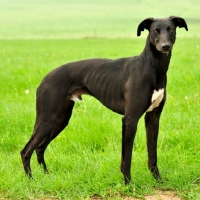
(156, 99)
(75, 98)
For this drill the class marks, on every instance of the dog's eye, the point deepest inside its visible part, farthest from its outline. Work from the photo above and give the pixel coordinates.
(156, 31)
(170, 30)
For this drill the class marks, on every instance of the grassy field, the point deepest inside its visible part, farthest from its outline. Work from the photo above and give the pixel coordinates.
(87, 18)
(85, 158)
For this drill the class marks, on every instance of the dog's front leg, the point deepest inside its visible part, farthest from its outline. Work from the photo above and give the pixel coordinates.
(152, 127)
(129, 126)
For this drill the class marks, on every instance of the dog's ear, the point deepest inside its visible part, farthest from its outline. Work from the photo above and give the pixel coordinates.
(180, 22)
(145, 24)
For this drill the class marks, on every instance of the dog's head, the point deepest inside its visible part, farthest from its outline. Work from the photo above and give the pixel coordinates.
(162, 31)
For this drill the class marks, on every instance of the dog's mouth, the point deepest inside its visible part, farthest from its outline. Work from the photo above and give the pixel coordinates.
(166, 52)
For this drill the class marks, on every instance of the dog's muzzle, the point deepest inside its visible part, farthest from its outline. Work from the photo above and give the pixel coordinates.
(166, 47)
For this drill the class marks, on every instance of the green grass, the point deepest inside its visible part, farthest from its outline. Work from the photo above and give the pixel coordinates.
(87, 18)
(84, 160)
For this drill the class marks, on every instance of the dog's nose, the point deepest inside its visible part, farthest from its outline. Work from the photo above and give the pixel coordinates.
(166, 46)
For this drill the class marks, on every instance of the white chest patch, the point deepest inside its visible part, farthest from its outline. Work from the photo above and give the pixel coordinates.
(157, 97)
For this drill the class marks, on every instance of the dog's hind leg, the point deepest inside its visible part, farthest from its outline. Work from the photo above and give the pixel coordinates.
(48, 105)
(41, 130)
(61, 122)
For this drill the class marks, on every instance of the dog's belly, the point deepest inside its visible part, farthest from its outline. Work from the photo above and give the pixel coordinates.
(116, 106)
(157, 97)
(75, 98)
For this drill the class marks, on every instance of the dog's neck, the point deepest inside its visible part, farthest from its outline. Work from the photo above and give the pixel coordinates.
(160, 61)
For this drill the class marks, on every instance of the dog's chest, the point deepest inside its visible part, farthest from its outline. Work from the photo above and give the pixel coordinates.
(157, 97)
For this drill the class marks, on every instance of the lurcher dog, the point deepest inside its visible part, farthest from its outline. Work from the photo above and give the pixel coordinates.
(128, 86)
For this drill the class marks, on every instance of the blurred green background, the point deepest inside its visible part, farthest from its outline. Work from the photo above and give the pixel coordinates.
(36, 19)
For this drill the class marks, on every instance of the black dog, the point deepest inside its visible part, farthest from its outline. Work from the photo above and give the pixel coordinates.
(128, 86)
